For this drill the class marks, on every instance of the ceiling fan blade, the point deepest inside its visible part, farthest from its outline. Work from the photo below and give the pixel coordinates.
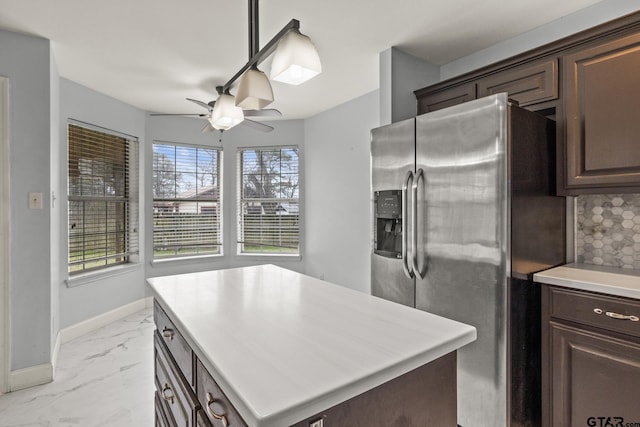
(265, 112)
(257, 125)
(179, 114)
(202, 104)
(208, 128)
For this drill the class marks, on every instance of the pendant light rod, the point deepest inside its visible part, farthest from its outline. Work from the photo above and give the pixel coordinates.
(254, 31)
(262, 54)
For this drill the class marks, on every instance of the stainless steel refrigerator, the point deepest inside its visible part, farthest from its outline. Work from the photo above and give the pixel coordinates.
(464, 214)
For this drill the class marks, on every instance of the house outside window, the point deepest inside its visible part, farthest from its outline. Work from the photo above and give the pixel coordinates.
(268, 201)
(187, 212)
(102, 195)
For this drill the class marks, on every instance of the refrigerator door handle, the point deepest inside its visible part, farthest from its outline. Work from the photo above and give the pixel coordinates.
(414, 223)
(405, 238)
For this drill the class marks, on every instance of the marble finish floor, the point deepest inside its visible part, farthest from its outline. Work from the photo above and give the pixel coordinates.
(104, 378)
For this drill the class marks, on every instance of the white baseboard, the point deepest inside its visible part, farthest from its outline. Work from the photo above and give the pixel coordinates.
(45, 373)
(97, 322)
(31, 376)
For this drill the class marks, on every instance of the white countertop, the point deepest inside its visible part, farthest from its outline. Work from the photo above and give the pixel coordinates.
(284, 346)
(586, 277)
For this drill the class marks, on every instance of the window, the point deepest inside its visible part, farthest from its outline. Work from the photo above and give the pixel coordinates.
(268, 201)
(102, 198)
(186, 200)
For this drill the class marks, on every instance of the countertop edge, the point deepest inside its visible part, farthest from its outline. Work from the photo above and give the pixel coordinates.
(590, 278)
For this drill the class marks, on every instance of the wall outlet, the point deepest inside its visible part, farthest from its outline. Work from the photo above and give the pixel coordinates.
(316, 423)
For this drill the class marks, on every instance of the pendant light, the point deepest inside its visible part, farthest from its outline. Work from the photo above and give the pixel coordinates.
(296, 59)
(225, 114)
(254, 91)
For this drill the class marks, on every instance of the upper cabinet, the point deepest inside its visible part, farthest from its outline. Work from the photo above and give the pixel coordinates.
(601, 113)
(589, 84)
(527, 84)
(448, 97)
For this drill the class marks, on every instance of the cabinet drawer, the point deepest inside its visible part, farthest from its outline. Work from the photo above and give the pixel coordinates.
(161, 417)
(176, 396)
(201, 419)
(214, 403)
(176, 344)
(607, 312)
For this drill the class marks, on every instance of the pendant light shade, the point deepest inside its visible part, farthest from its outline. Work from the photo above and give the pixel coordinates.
(296, 59)
(254, 91)
(225, 114)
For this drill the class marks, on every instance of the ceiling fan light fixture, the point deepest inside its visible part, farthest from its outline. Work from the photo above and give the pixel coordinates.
(225, 114)
(254, 91)
(296, 59)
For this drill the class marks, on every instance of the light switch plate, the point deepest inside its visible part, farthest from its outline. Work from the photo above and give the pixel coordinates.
(35, 200)
(316, 423)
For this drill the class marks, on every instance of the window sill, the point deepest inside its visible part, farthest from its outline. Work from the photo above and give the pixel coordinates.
(279, 257)
(82, 279)
(186, 259)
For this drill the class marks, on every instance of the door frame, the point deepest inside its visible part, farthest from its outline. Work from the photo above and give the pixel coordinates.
(4, 235)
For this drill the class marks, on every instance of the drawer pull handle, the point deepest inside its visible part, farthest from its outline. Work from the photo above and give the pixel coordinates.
(167, 393)
(618, 316)
(210, 401)
(167, 333)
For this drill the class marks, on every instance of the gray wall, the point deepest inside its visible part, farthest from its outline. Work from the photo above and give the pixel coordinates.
(54, 191)
(91, 299)
(338, 196)
(26, 62)
(400, 74)
(187, 131)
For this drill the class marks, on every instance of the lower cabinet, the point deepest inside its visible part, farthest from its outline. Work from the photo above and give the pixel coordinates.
(176, 403)
(591, 359)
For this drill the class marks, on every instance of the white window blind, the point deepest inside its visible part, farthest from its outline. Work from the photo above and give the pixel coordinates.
(102, 198)
(268, 200)
(186, 200)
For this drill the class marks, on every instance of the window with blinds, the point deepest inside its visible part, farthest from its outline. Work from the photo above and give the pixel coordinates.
(268, 201)
(186, 200)
(102, 198)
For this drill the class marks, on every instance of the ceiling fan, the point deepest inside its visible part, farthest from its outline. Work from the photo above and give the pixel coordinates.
(265, 112)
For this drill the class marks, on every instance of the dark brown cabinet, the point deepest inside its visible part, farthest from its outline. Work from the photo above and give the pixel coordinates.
(527, 84)
(448, 97)
(591, 359)
(176, 404)
(589, 84)
(601, 108)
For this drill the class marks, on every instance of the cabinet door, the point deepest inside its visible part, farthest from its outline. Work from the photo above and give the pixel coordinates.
(526, 84)
(594, 378)
(455, 95)
(600, 115)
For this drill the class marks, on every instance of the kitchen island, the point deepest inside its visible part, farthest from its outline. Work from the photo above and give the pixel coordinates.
(264, 347)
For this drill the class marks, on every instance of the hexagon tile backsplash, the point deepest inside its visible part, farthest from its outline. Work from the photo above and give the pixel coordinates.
(608, 230)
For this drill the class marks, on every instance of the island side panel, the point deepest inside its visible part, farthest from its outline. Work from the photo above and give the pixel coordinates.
(423, 397)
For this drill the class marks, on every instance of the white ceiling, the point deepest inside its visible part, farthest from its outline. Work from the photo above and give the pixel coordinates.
(154, 53)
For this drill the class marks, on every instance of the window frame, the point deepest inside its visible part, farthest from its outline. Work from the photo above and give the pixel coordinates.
(219, 201)
(130, 219)
(240, 199)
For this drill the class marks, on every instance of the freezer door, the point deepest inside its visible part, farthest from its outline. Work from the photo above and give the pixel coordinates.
(462, 240)
(392, 158)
